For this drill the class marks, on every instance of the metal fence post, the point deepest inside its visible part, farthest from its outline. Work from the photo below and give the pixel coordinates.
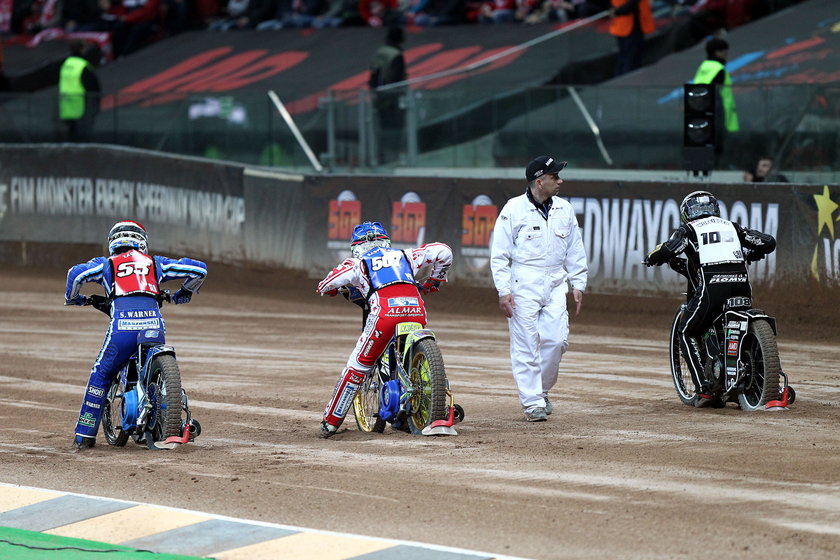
(411, 126)
(329, 102)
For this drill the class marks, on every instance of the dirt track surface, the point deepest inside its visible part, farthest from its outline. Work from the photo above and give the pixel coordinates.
(621, 470)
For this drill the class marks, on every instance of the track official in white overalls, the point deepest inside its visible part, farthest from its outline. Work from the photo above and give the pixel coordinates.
(536, 252)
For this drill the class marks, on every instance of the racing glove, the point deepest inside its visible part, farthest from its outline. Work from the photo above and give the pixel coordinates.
(182, 296)
(429, 286)
(78, 300)
(331, 293)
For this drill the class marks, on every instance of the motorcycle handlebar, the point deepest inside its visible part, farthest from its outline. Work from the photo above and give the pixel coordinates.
(103, 304)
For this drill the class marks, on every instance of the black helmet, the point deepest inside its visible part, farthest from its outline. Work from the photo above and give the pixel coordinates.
(699, 204)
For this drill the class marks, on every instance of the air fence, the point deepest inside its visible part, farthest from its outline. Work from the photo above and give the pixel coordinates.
(61, 194)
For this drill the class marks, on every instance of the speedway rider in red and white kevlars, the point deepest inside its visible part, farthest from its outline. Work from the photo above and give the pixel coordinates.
(716, 267)
(131, 279)
(536, 252)
(388, 280)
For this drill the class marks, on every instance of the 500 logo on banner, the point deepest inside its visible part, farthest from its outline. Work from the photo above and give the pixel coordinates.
(619, 232)
(86, 196)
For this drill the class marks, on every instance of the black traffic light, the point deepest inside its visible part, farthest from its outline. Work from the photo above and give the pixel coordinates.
(699, 105)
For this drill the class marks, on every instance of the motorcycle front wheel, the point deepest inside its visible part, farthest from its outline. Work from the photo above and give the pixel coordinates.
(680, 373)
(759, 355)
(428, 399)
(113, 414)
(366, 403)
(164, 393)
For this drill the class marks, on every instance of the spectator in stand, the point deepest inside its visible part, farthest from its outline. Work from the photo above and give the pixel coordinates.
(82, 15)
(282, 11)
(243, 14)
(177, 16)
(411, 9)
(524, 9)
(378, 13)
(765, 172)
(89, 15)
(631, 21)
(137, 23)
(337, 14)
(563, 10)
(441, 12)
(712, 17)
(204, 12)
(294, 14)
(498, 11)
(40, 15)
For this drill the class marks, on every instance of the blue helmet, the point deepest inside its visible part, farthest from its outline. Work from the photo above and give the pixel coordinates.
(366, 236)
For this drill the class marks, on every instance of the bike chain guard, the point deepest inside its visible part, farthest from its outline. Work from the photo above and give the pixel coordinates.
(389, 400)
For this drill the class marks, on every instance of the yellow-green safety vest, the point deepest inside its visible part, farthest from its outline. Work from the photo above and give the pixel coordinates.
(71, 92)
(705, 74)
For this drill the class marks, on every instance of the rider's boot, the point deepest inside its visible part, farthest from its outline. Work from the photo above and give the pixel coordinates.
(80, 443)
(706, 396)
(327, 430)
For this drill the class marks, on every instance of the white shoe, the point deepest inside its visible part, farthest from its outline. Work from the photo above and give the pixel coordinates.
(549, 408)
(536, 415)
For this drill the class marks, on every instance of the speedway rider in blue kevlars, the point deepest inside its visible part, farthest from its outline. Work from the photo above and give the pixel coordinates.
(716, 268)
(131, 279)
(385, 283)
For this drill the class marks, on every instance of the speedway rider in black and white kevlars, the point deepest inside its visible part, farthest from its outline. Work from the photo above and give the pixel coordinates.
(536, 252)
(716, 268)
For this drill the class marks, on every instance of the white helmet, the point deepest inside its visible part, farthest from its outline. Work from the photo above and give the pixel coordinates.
(127, 235)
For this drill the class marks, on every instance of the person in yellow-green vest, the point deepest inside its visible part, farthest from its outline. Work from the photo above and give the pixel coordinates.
(78, 93)
(713, 71)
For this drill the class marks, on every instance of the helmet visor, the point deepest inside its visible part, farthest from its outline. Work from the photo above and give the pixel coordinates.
(699, 209)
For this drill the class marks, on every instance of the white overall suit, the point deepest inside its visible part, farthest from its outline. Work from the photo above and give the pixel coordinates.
(534, 257)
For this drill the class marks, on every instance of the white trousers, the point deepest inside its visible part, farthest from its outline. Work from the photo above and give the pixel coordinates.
(539, 332)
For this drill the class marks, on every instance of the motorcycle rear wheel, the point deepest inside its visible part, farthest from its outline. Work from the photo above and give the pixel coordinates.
(759, 355)
(366, 403)
(112, 414)
(166, 418)
(680, 373)
(428, 401)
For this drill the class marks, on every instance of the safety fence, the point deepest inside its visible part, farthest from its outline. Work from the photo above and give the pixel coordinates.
(243, 215)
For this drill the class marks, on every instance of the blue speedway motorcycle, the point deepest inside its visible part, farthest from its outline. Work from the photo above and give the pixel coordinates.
(146, 400)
